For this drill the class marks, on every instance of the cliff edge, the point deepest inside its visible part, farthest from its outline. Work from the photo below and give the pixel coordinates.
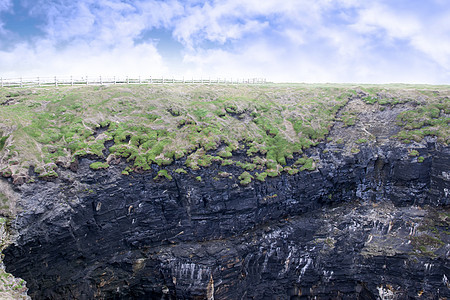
(265, 192)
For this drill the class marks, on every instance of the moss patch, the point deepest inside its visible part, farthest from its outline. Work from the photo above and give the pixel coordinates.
(98, 165)
(245, 178)
(163, 174)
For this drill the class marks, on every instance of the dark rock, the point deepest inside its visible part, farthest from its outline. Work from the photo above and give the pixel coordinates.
(353, 229)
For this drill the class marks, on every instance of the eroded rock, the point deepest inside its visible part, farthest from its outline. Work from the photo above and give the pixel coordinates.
(359, 226)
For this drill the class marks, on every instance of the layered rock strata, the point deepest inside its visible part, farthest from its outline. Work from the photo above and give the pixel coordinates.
(371, 225)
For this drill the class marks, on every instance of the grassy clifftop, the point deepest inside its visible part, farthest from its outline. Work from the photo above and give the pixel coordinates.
(199, 124)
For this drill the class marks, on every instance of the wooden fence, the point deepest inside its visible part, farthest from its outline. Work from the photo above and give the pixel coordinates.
(99, 80)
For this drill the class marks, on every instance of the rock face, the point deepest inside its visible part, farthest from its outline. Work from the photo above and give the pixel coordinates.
(371, 225)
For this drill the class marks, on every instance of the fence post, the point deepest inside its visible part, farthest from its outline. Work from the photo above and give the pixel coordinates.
(87, 80)
(1, 79)
(56, 82)
(151, 80)
(139, 79)
(128, 80)
(183, 80)
(101, 81)
(20, 81)
(71, 80)
(39, 82)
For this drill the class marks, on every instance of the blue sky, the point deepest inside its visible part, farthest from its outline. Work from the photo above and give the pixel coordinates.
(377, 41)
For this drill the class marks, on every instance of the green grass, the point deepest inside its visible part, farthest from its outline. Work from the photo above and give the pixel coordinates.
(245, 178)
(413, 153)
(349, 118)
(98, 165)
(203, 125)
(361, 141)
(355, 150)
(370, 99)
(163, 174)
(3, 140)
(430, 119)
(261, 176)
(304, 163)
(180, 171)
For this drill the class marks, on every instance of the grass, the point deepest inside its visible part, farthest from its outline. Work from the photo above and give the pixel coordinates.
(202, 125)
(355, 150)
(98, 165)
(261, 176)
(361, 141)
(163, 174)
(430, 119)
(3, 140)
(349, 118)
(180, 171)
(413, 153)
(305, 163)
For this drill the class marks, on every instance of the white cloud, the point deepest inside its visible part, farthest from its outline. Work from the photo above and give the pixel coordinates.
(230, 20)
(45, 60)
(434, 40)
(220, 21)
(431, 36)
(91, 38)
(291, 40)
(108, 22)
(395, 24)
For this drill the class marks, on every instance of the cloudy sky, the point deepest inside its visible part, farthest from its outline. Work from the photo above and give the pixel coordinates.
(374, 41)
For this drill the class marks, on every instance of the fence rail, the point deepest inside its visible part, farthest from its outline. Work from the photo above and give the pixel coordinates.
(99, 80)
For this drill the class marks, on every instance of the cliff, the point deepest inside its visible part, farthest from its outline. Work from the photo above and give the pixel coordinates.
(360, 212)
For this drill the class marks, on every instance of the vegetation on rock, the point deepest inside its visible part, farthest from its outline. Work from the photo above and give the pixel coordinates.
(258, 129)
(431, 119)
(98, 165)
(245, 178)
(163, 173)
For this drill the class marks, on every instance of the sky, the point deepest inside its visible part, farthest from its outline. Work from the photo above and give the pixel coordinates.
(340, 41)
